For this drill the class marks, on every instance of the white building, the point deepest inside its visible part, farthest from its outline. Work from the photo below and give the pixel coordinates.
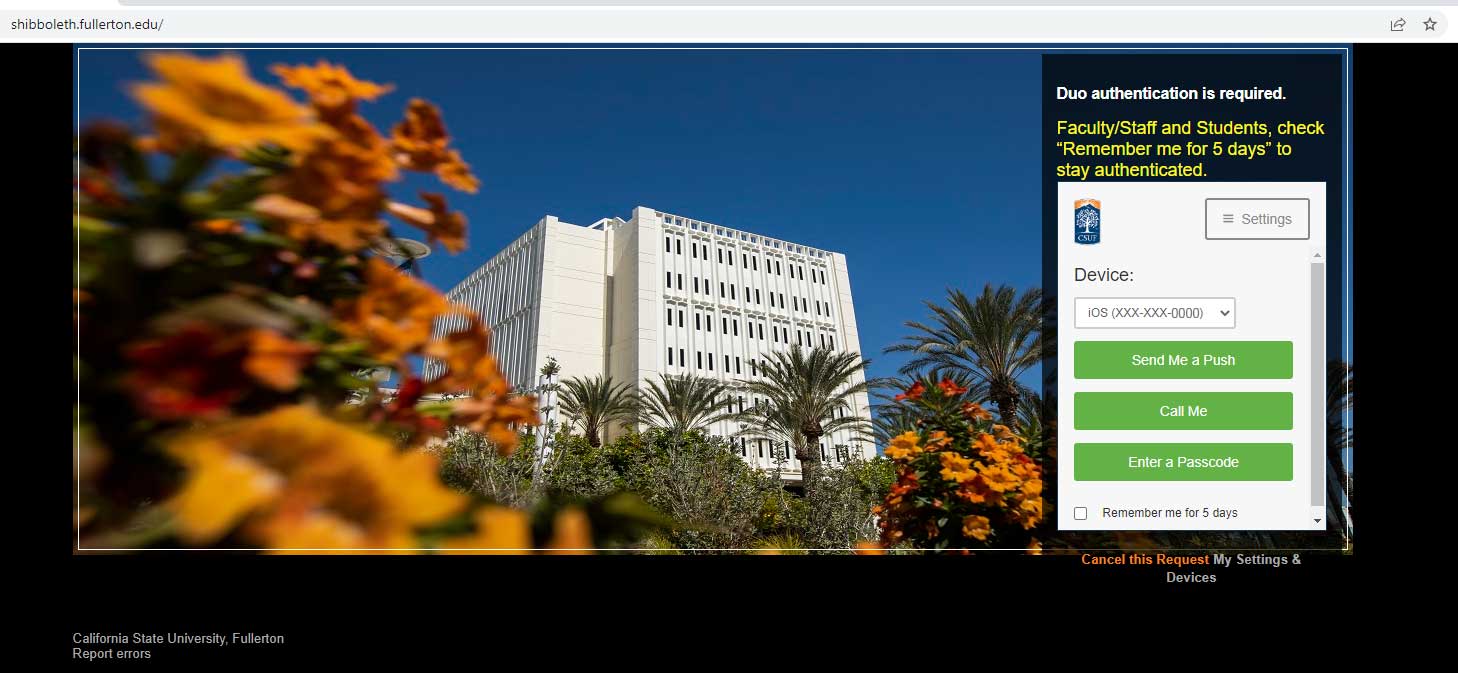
(663, 294)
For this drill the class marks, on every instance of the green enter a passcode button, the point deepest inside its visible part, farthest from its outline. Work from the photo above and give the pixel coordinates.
(1181, 462)
(1182, 411)
(1182, 359)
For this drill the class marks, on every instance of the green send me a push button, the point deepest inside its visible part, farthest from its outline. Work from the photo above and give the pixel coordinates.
(1181, 462)
(1182, 411)
(1182, 359)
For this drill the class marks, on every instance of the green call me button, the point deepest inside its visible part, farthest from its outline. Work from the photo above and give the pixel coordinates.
(1182, 411)
(1182, 359)
(1181, 462)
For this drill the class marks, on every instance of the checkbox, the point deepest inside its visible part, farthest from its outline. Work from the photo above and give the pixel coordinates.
(1080, 513)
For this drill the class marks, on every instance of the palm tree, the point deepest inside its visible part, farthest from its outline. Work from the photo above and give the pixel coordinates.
(596, 402)
(995, 337)
(809, 394)
(684, 403)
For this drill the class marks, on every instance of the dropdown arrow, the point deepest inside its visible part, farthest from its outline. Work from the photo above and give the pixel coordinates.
(1225, 313)
(1316, 520)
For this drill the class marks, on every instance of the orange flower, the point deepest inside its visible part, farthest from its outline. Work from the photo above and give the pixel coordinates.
(937, 441)
(496, 417)
(394, 314)
(976, 526)
(217, 103)
(870, 549)
(912, 393)
(571, 532)
(221, 226)
(299, 479)
(467, 356)
(956, 468)
(950, 388)
(438, 223)
(904, 446)
(499, 530)
(998, 478)
(1003, 432)
(421, 143)
(329, 86)
(193, 372)
(975, 412)
(275, 360)
(303, 222)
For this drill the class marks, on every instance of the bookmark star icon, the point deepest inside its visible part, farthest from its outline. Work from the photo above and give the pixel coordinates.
(1430, 24)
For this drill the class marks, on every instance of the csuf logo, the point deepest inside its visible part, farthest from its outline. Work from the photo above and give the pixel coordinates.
(1086, 221)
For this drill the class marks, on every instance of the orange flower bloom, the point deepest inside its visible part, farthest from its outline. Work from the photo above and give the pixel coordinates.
(870, 549)
(303, 222)
(956, 468)
(329, 86)
(937, 441)
(912, 393)
(571, 532)
(221, 226)
(394, 314)
(217, 103)
(467, 356)
(438, 223)
(950, 388)
(275, 360)
(976, 526)
(496, 417)
(499, 530)
(904, 446)
(299, 479)
(421, 143)
(975, 412)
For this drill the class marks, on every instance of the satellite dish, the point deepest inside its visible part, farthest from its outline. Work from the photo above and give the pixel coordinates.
(400, 248)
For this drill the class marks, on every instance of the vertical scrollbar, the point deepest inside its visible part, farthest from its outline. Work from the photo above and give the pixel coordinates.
(1318, 392)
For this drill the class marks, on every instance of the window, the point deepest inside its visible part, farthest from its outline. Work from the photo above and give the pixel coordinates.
(721, 290)
(725, 324)
(699, 359)
(731, 292)
(759, 444)
(782, 300)
(680, 281)
(726, 364)
(711, 362)
(670, 317)
(775, 333)
(696, 284)
(694, 252)
(778, 271)
(682, 362)
(678, 244)
(721, 255)
(799, 340)
(731, 258)
(753, 369)
(667, 244)
(670, 355)
(736, 371)
(697, 325)
(680, 317)
(756, 296)
(736, 327)
(756, 262)
(668, 279)
(706, 287)
(832, 341)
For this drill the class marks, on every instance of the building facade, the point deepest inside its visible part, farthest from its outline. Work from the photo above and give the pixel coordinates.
(664, 294)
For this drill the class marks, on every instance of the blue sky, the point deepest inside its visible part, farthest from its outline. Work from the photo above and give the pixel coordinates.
(919, 166)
